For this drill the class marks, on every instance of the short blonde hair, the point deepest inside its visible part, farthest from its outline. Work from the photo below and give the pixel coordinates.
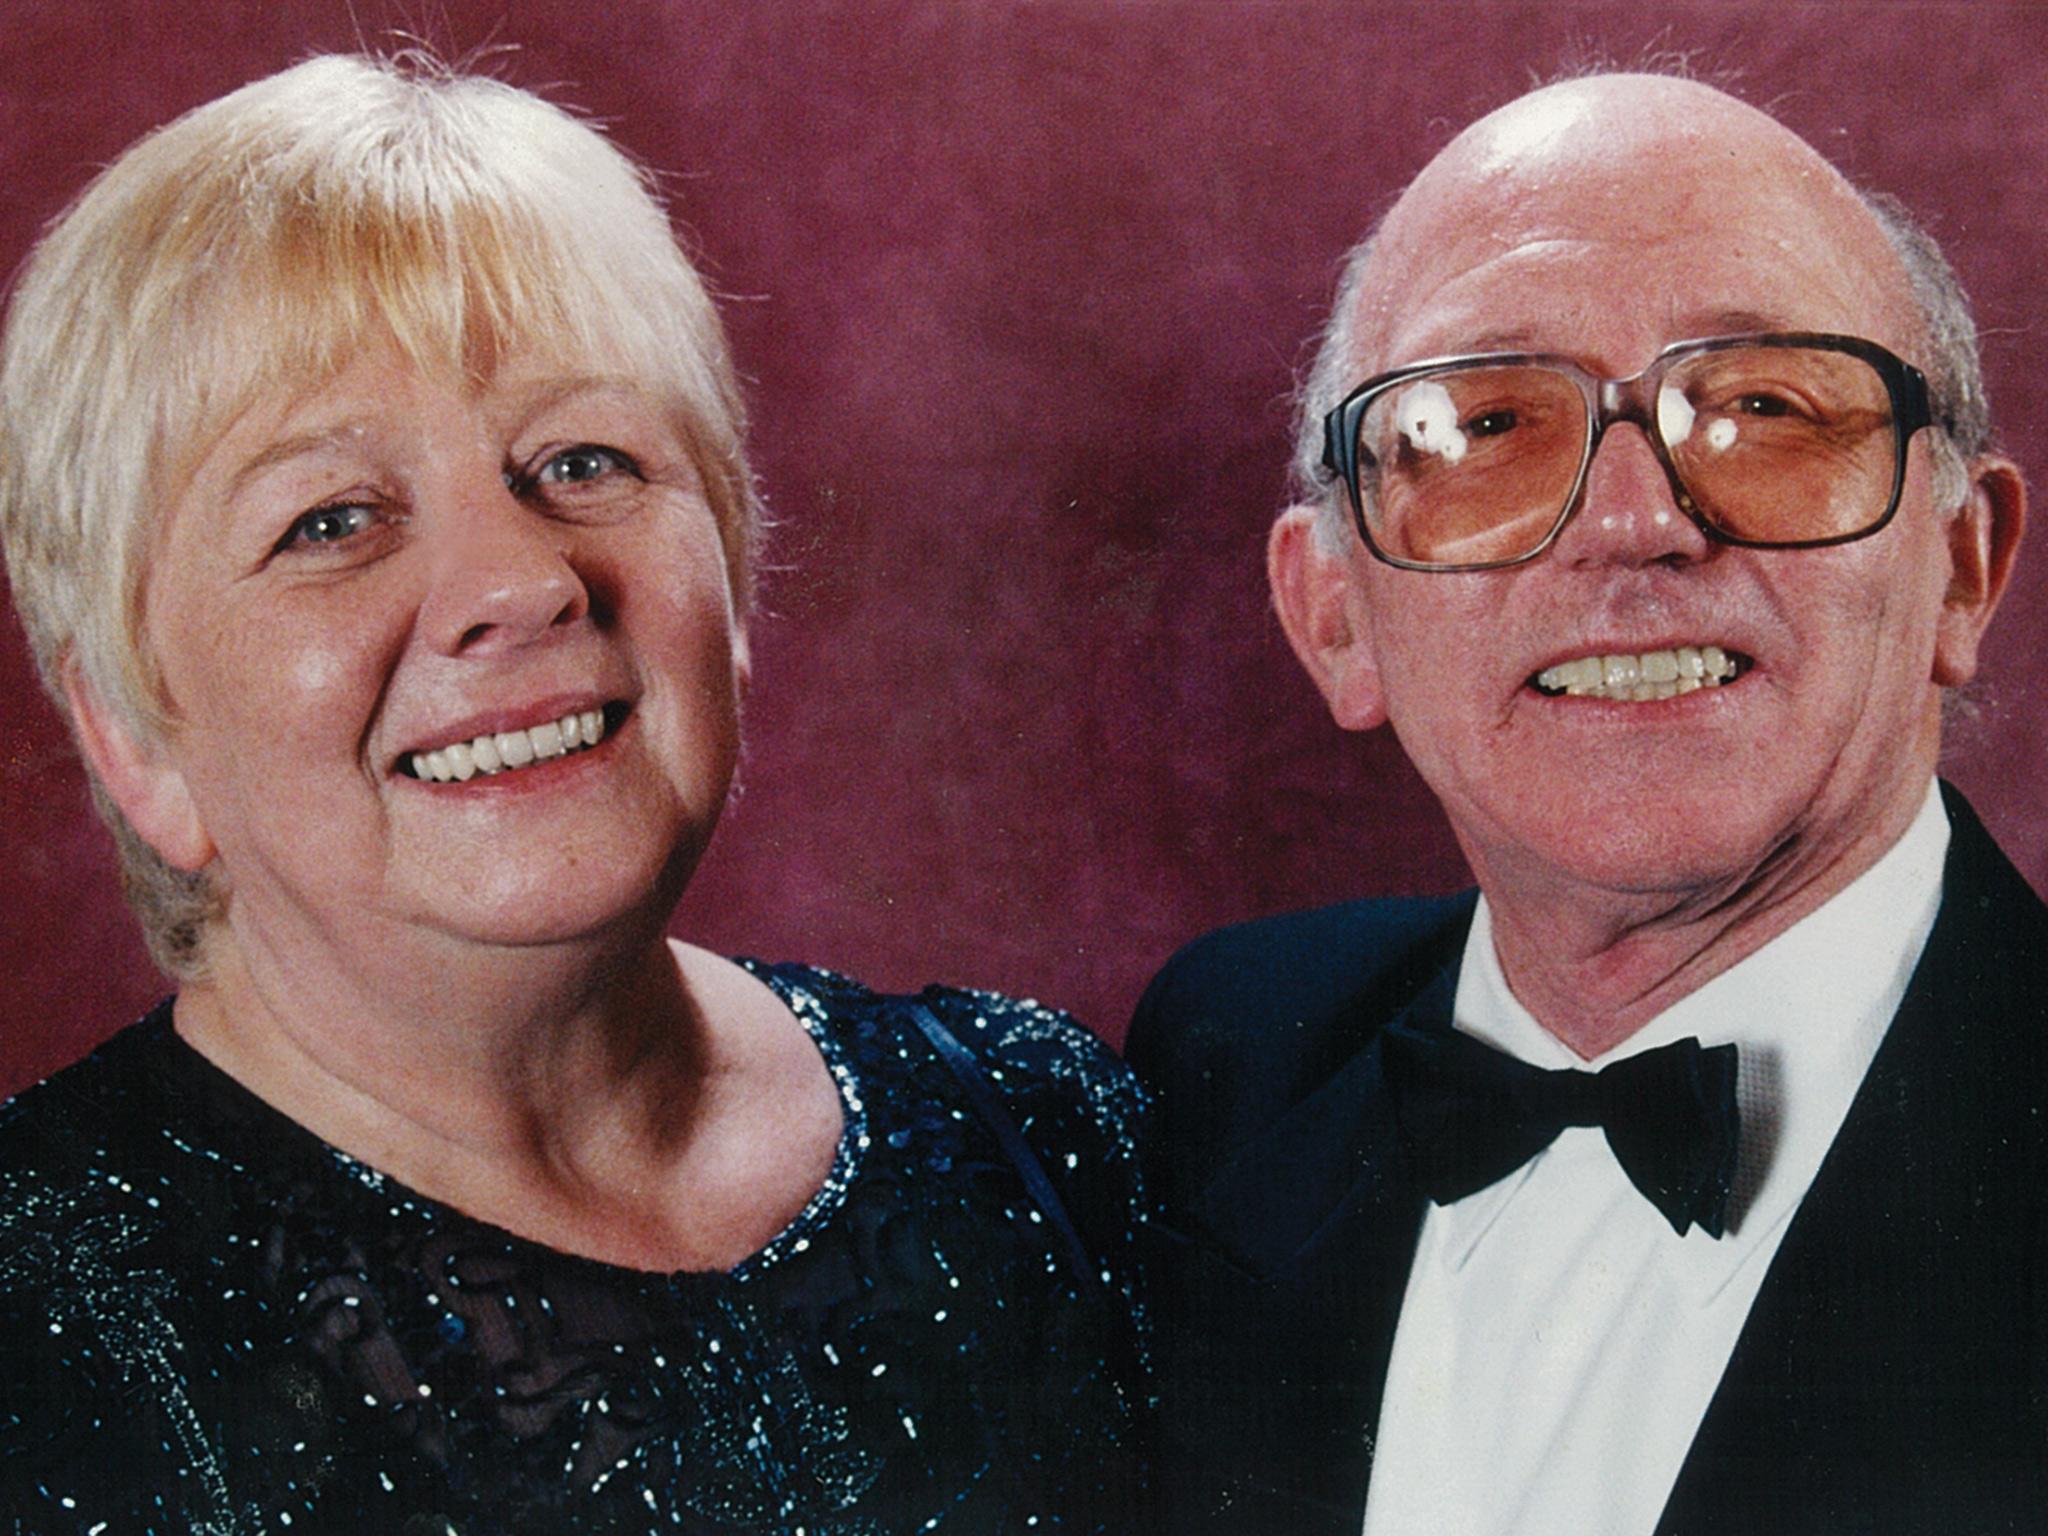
(258, 243)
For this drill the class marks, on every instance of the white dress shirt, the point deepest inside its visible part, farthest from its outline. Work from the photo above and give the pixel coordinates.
(1558, 1343)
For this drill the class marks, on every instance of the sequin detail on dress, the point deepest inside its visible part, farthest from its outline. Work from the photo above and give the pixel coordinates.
(211, 1321)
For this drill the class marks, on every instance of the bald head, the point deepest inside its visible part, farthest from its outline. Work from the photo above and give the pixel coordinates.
(1571, 194)
(1617, 213)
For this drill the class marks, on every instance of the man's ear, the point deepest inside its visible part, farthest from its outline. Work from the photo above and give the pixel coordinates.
(1983, 540)
(138, 776)
(1323, 613)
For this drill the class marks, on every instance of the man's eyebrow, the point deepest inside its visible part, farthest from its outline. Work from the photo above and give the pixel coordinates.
(1519, 339)
(1736, 322)
(1714, 322)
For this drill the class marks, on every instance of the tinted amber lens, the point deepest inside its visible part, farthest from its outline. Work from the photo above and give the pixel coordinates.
(1781, 445)
(1467, 466)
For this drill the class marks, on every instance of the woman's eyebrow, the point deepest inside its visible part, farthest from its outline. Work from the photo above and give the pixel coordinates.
(548, 393)
(298, 445)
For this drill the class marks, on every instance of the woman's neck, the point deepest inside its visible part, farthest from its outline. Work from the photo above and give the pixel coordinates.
(568, 1096)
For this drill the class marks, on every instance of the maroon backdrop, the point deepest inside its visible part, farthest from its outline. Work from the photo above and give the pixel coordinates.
(1021, 290)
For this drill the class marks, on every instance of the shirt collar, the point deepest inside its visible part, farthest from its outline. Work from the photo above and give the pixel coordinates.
(1807, 1012)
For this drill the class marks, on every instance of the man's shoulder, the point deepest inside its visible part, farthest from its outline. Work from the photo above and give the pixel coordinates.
(1972, 1030)
(1981, 887)
(1251, 1018)
(1303, 968)
(1988, 955)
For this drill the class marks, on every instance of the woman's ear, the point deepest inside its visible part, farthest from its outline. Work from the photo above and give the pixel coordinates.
(742, 657)
(1322, 610)
(1983, 539)
(138, 775)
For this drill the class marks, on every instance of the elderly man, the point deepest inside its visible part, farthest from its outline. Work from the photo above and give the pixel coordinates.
(1687, 1179)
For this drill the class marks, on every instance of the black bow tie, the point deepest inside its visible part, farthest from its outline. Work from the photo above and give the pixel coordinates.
(1470, 1116)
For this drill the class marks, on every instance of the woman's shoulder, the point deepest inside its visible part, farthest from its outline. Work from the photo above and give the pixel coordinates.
(90, 1167)
(94, 1232)
(1034, 1056)
(1034, 1089)
(115, 1184)
(94, 1110)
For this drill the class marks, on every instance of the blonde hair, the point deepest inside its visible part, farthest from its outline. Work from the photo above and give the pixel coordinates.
(256, 244)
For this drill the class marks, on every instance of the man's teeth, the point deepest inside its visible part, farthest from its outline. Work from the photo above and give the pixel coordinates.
(506, 750)
(1640, 678)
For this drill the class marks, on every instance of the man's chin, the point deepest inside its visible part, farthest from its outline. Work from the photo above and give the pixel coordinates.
(1681, 851)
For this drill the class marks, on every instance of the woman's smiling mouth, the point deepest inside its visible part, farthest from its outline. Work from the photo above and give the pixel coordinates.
(498, 752)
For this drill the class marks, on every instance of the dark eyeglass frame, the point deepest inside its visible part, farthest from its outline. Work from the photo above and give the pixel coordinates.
(1633, 399)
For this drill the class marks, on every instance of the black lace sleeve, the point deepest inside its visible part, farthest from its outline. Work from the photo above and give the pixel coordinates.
(1083, 1113)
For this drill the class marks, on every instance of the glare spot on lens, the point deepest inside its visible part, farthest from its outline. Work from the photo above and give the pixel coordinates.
(1429, 419)
(1674, 415)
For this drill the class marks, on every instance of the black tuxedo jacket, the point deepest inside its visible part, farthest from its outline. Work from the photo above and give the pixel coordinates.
(1892, 1376)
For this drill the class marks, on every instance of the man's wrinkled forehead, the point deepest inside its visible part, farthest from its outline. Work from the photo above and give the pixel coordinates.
(1617, 209)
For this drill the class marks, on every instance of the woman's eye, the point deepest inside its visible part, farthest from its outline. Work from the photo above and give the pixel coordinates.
(581, 465)
(327, 525)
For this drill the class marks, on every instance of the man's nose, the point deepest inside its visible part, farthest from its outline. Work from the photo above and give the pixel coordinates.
(1628, 514)
(503, 575)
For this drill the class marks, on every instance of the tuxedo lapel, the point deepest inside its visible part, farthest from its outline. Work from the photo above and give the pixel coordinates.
(1790, 1433)
(1866, 1389)
(1298, 1256)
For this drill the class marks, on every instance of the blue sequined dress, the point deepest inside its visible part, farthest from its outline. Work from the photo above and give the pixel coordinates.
(213, 1322)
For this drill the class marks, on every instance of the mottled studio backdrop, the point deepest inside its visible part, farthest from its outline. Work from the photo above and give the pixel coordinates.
(1021, 290)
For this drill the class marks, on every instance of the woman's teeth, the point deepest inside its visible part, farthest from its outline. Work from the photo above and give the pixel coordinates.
(1640, 678)
(505, 750)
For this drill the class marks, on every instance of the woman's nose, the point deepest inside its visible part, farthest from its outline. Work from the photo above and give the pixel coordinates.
(502, 577)
(1628, 514)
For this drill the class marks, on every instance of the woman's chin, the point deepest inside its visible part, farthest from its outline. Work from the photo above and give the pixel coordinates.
(598, 852)
(539, 901)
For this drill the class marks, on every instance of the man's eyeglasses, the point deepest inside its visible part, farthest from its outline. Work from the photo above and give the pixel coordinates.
(1776, 441)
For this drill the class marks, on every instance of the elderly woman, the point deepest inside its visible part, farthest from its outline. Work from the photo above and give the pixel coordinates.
(374, 499)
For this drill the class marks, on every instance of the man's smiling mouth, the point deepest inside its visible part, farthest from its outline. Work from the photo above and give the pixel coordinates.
(498, 752)
(1641, 677)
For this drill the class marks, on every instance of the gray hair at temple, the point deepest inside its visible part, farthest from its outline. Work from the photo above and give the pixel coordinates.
(1955, 375)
